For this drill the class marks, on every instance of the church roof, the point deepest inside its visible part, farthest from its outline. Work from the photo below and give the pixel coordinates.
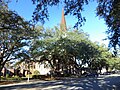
(63, 22)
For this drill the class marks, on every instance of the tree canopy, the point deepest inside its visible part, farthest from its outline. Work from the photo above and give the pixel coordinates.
(15, 36)
(109, 10)
(69, 49)
(60, 49)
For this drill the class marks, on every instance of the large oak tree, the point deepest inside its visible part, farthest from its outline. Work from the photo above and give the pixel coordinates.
(66, 50)
(15, 36)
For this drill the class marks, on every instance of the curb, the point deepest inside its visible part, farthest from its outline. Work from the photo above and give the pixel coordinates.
(21, 83)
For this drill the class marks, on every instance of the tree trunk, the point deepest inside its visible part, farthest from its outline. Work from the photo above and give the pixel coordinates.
(1, 67)
(0, 72)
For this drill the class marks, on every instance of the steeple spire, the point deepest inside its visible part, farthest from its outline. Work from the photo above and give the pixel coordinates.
(63, 22)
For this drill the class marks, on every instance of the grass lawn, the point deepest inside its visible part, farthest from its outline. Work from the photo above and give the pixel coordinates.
(6, 82)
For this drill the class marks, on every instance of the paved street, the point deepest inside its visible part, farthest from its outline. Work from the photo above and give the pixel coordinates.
(101, 83)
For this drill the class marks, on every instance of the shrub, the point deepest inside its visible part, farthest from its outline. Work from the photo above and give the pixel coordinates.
(2, 78)
(30, 76)
(39, 77)
(7, 75)
(36, 72)
(16, 78)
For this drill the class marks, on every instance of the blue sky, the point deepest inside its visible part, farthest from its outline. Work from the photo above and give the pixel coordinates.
(94, 26)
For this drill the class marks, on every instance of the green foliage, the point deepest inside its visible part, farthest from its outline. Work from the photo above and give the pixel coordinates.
(30, 76)
(114, 63)
(56, 42)
(11, 78)
(100, 60)
(42, 77)
(16, 78)
(36, 72)
(68, 49)
(54, 46)
(2, 78)
(7, 75)
(15, 36)
(109, 10)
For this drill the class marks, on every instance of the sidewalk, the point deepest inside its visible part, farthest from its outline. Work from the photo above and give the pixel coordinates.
(25, 82)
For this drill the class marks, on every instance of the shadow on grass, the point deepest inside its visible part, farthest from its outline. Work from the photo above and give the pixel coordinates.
(109, 83)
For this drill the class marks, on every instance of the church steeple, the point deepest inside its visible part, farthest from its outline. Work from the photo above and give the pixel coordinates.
(63, 22)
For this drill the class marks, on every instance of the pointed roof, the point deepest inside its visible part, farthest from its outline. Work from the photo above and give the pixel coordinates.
(63, 22)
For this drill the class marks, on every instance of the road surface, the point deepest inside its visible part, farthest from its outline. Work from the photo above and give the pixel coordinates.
(100, 83)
